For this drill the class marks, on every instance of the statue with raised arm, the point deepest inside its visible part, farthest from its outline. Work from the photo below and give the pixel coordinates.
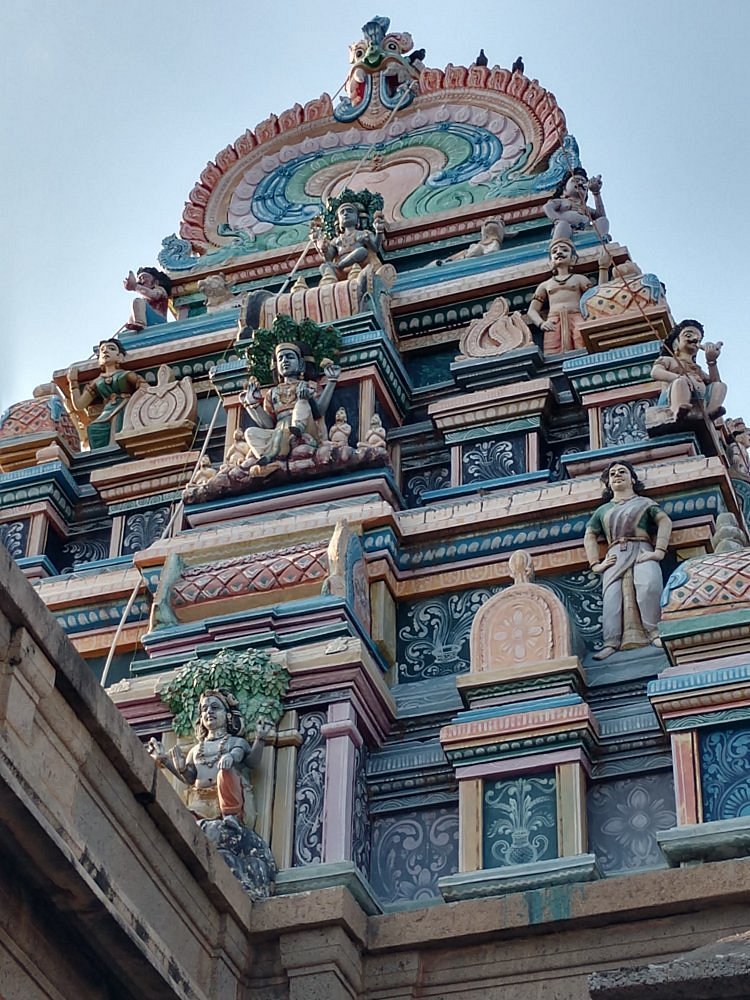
(686, 387)
(349, 235)
(219, 792)
(568, 208)
(215, 769)
(153, 289)
(560, 298)
(101, 402)
(290, 413)
(637, 532)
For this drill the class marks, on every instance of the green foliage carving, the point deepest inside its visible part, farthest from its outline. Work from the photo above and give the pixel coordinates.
(367, 202)
(323, 341)
(256, 681)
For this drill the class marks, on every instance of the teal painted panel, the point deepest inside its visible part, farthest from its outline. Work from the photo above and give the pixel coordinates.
(519, 821)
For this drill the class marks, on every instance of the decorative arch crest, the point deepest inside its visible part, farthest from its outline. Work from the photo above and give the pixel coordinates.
(471, 135)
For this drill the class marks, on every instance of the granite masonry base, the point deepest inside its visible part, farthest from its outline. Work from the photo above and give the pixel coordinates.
(323, 876)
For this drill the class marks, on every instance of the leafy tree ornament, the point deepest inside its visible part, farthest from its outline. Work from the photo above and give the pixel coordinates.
(257, 682)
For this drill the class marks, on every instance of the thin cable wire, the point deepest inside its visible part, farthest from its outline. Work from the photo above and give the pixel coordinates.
(165, 533)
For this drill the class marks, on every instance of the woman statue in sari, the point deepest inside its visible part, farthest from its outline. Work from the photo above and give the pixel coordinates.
(637, 534)
(103, 399)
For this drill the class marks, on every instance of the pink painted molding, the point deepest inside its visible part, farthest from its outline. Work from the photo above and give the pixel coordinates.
(505, 727)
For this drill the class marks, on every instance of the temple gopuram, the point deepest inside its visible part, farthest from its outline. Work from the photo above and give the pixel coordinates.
(376, 600)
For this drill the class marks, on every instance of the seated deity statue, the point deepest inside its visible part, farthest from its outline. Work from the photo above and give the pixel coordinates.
(150, 305)
(561, 296)
(291, 411)
(637, 533)
(215, 769)
(102, 401)
(686, 387)
(341, 430)
(353, 247)
(568, 209)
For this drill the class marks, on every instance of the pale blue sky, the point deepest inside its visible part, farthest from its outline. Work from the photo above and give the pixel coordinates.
(110, 112)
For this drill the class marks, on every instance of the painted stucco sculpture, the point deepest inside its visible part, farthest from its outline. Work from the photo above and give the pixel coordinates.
(159, 419)
(568, 208)
(101, 402)
(525, 624)
(495, 333)
(382, 76)
(149, 307)
(560, 297)
(218, 293)
(628, 289)
(688, 391)
(215, 770)
(490, 241)
(349, 235)
(286, 418)
(636, 531)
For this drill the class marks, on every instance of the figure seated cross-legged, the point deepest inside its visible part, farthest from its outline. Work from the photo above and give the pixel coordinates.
(353, 247)
(637, 534)
(290, 411)
(686, 387)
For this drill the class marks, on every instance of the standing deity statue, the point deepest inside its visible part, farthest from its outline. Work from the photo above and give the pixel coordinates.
(568, 209)
(637, 533)
(149, 307)
(215, 768)
(292, 409)
(102, 401)
(686, 387)
(561, 295)
(353, 246)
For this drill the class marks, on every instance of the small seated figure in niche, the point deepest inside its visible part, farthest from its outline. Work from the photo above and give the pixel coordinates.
(376, 433)
(238, 450)
(561, 295)
(637, 534)
(215, 769)
(102, 401)
(490, 241)
(568, 210)
(204, 473)
(291, 412)
(353, 247)
(341, 430)
(687, 388)
(150, 306)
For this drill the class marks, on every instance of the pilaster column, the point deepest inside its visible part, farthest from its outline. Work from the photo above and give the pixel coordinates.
(342, 740)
